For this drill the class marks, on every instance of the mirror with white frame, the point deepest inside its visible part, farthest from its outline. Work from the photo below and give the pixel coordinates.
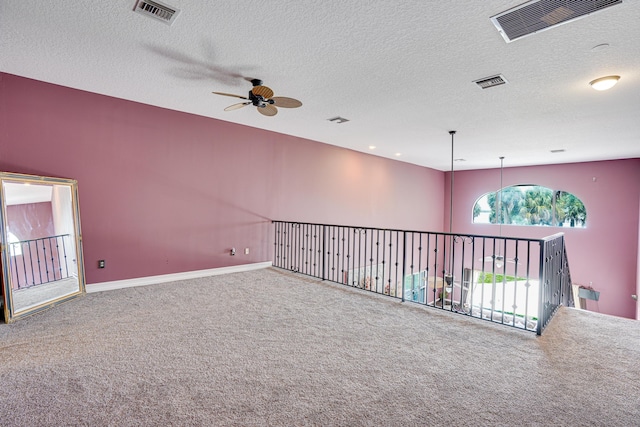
(41, 243)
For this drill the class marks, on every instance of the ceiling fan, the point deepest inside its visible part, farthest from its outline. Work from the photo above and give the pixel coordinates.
(262, 97)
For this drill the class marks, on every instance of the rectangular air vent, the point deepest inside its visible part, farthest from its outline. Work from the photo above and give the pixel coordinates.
(539, 15)
(492, 81)
(157, 10)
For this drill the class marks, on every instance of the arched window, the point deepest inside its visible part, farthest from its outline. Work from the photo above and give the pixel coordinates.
(530, 205)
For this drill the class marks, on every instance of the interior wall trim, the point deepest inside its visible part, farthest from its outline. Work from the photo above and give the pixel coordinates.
(173, 277)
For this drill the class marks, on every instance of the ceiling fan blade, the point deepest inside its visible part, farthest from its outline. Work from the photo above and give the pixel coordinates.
(236, 106)
(284, 102)
(230, 94)
(268, 110)
(262, 91)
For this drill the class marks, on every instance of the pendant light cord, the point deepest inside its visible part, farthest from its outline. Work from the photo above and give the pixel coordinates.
(500, 200)
(500, 205)
(451, 132)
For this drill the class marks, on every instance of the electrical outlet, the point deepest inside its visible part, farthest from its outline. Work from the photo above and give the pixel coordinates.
(233, 251)
(101, 263)
(246, 251)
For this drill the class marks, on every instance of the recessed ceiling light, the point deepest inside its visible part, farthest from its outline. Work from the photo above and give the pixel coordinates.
(398, 154)
(372, 147)
(604, 83)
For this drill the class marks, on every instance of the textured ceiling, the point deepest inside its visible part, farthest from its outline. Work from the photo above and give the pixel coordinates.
(401, 72)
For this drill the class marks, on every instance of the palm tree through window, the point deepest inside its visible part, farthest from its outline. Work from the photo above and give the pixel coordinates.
(530, 205)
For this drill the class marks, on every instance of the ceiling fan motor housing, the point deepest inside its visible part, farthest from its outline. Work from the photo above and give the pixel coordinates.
(256, 100)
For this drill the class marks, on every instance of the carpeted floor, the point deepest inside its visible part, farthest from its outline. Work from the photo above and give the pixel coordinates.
(270, 348)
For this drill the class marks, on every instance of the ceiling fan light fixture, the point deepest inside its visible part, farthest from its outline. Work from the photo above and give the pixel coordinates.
(604, 83)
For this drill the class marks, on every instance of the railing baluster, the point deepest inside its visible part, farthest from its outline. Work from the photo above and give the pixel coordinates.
(359, 258)
(495, 272)
(404, 263)
(293, 239)
(460, 307)
(514, 306)
(436, 283)
(313, 252)
(356, 257)
(378, 261)
(13, 264)
(396, 292)
(298, 258)
(527, 283)
(452, 257)
(53, 263)
(278, 245)
(58, 258)
(288, 251)
(33, 274)
(289, 248)
(386, 286)
(303, 248)
(24, 266)
(346, 235)
(64, 251)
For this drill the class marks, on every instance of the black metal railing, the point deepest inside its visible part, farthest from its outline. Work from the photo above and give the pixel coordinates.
(39, 261)
(556, 284)
(514, 281)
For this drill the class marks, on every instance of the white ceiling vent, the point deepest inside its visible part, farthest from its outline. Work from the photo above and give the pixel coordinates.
(539, 15)
(492, 81)
(157, 10)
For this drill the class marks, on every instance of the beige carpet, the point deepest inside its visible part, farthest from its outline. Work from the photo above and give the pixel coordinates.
(269, 348)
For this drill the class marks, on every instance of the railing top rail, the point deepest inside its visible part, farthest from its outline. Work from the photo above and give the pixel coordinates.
(40, 238)
(481, 236)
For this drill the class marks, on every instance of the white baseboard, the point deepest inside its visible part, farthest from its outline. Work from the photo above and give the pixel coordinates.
(153, 280)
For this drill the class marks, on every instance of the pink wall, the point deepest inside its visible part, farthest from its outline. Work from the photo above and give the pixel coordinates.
(30, 220)
(605, 253)
(164, 192)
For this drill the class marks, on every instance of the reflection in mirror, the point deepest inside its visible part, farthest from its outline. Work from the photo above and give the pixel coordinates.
(40, 258)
